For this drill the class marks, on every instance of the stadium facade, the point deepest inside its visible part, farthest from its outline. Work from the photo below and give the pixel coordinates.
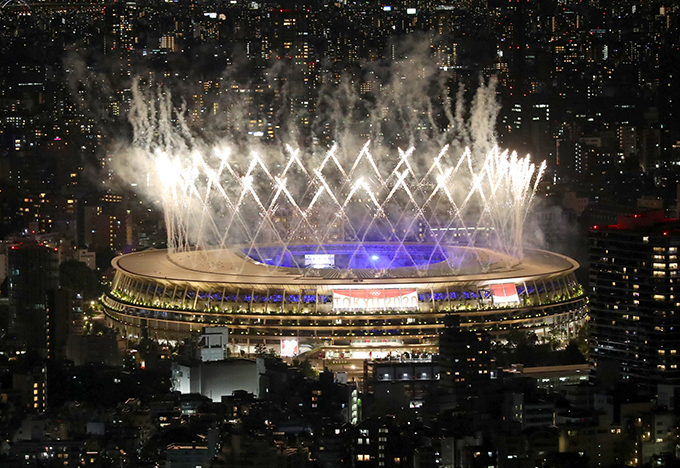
(341, 301)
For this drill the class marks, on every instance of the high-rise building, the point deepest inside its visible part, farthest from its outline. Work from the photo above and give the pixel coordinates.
(33, 272)
(30, 382)
(635, 317)
(64, 323)
(464, 358)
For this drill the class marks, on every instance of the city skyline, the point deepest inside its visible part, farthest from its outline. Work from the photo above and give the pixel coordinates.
(373, 339)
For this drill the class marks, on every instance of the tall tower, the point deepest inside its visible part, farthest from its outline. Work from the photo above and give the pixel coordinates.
(288, 33)
(635, 300)
(33, 272)
(464, 359)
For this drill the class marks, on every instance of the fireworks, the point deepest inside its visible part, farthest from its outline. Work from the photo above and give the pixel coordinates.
(213, 202)
(247, 198)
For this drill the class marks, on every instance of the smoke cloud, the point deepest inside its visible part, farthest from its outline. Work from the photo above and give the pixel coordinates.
(391, 152)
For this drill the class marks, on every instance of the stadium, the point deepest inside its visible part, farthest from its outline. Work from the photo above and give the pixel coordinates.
(358, 250)
(344, 300)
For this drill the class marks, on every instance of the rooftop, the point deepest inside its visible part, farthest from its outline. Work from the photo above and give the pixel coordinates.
(649, 222)
(231, 266)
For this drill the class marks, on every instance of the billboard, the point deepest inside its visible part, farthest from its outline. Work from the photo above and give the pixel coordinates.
(289, 348)
(375, 299)
(505, 293)
(320, 260)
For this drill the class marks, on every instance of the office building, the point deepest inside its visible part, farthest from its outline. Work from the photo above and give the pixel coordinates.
(635, 334)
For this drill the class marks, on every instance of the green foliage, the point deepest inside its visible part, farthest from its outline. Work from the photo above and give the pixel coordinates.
(262, 352)
(305, 367)
(582, 339)
(524, 348)
(76, 277)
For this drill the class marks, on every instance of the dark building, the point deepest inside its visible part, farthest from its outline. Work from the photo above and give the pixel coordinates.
(33, 272)
(378, 443)
(634, 322)
(334, 399)
(56, 323)
(464, 358)
(30, 383)
(65, 325)
(402, 385)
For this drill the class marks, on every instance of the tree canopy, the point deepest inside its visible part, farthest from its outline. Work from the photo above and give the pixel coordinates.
(77, 277)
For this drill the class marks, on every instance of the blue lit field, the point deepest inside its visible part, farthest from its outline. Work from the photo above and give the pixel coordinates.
(350, 256)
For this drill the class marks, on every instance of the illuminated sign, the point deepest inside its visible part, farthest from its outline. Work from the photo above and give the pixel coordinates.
(410, 11)
(375, 299)
(504, 293)
(289, 348)
(387, 8)
(320, 260)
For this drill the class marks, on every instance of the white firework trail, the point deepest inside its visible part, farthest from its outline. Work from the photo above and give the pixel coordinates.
(448, 204)
(216, 197)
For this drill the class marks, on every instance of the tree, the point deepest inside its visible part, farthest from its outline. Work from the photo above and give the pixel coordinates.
(76, 277)
(261, 350)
